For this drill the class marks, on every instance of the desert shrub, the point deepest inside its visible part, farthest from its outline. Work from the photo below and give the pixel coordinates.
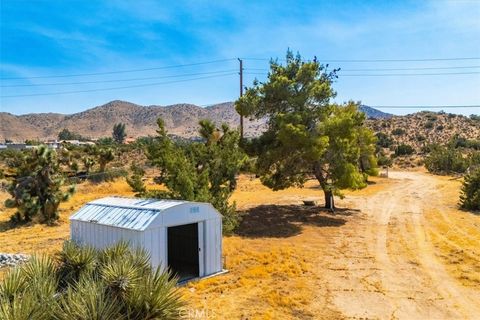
(384, 140)
(83, 283)
(461, 142)
(452, 115)
(420, 138)
(398, 132)
(470, 194)
(429, 124)
(475, 117)
(431, 116)
(445, 160)
(439, 128)
(383, 160)
(403, 150)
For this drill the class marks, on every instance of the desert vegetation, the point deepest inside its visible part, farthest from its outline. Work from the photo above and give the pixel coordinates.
(383, 232)
(82, 283)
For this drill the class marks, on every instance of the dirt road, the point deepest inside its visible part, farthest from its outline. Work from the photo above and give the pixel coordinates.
(386, 267)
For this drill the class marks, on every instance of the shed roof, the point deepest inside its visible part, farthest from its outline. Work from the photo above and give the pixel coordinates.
(128, 213)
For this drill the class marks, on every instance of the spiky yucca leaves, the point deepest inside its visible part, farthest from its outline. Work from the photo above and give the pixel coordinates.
(88, 300)
(28, 292)
(76, 262)
(83, 283)
(155, 297)
(23, 308)
(120, 277)
(12, 285)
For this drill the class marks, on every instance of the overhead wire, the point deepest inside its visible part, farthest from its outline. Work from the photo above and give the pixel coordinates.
(121, 71)
(115, 88)
(115, 80)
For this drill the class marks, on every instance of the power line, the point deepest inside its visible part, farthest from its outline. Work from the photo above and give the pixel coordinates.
(391, 74)
(407, 74)
(378, 60)
(114, 88)
(115, 80)
(424, 107)
(122, 71)
(390, 69)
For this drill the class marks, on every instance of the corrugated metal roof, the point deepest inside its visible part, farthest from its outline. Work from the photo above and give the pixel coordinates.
(128, 213)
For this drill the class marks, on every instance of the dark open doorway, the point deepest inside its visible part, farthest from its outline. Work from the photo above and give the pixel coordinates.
(183, 251)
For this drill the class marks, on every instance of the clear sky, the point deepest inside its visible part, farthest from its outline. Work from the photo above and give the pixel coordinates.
(57, 38)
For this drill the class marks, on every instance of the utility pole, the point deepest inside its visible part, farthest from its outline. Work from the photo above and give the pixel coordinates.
(241, 94)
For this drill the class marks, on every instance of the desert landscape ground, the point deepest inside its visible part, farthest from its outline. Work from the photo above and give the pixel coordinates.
(399, 249)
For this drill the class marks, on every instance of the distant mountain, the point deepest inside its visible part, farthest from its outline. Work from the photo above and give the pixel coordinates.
(373, 113)
(180, 119)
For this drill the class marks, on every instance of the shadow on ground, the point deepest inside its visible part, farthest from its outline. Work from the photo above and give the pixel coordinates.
(281, 221)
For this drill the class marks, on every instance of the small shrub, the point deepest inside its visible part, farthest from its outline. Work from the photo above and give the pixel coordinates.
(384, 140)
(420, 138)
(403, 150)
(398, 132)
(439, 128)
(384, 161)
(475, 117)
(429, 124)
(470, 194)
(445, 160)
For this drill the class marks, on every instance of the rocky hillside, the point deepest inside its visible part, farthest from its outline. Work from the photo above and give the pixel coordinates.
(422, 128)
(182, 120)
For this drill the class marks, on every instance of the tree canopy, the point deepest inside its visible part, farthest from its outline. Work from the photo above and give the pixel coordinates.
(200, 171)
(306, 134)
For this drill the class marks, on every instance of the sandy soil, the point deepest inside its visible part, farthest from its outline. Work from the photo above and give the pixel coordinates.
(390, 268)
(400, 249)
(382, 260)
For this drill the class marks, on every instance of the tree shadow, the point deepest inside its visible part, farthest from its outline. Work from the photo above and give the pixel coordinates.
(282, 221)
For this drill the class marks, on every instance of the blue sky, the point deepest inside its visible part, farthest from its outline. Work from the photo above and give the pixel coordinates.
(52, 38)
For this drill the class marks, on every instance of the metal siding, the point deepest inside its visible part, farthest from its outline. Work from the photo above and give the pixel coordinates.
(144, 223)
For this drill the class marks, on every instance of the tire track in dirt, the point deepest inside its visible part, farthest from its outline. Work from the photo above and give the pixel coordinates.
(400, 277)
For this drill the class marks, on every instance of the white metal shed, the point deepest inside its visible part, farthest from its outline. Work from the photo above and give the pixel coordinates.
(185, 236)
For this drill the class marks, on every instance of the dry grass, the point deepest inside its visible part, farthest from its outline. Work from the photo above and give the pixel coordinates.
(289, 261)
(456, 234)
(39, 238)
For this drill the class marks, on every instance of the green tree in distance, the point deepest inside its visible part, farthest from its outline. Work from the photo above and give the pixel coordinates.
(38, 186)
(119, 133)
(306, 134)
(200, 171)
(470, 194)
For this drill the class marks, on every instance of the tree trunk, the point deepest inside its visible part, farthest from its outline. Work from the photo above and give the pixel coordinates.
(329, 200)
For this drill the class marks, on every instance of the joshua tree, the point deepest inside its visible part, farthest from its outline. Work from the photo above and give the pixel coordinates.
(38, 186)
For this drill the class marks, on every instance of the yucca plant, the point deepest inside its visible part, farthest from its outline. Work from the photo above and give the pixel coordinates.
(28, 292)
(155, 297)
(75, 262)
(83, 283)
(87, 300)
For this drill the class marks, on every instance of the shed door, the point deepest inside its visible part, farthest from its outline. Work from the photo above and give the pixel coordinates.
(201, 249)
(183, 251)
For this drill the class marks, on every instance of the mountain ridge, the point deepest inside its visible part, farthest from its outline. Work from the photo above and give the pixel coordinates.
(181, 119)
